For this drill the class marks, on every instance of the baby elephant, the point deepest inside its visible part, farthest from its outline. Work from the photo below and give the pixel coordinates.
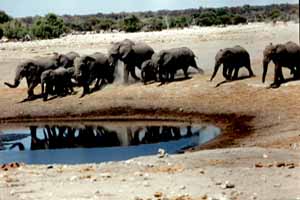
(149, 71)
(57, 81)
(93, 67)
(171, 60)
(232, 59)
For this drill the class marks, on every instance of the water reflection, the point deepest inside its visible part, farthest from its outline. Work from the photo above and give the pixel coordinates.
(138, 140)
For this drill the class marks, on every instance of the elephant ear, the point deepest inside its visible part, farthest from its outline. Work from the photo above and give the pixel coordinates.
(125, 51)
(30, 68)
(88, 60)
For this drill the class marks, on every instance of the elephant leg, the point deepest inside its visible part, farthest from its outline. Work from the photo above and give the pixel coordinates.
(172, 75)
(277, 75)
(126, 73)
(132, 73)
(86, 90)
(185, 71)
(45, 94)
(30, 90)
(251, 74)
(227, 72)
(98, 84)
(236, 73)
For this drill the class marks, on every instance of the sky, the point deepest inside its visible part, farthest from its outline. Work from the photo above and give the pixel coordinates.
(22, 8)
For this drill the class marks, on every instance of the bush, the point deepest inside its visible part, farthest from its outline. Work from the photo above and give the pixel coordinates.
(225, 19)
(1, 33)
(275, 14)
(131, 24)
(48, 27)
(4, 17)
(14, 30)
(104, 24)
(239, 20)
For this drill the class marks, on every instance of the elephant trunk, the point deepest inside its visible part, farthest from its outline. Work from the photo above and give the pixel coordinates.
(15, 85)
(265, 69)
(217, 65)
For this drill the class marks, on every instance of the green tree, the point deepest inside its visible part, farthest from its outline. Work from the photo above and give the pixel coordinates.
(104, 24)
(1, 32)
(48, 27)
(131, 24)
(14, 29)
(225, 19)
(4, 17)
(238, 19)
(275, 14)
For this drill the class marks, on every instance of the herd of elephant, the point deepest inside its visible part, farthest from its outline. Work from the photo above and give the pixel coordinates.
(59, 73)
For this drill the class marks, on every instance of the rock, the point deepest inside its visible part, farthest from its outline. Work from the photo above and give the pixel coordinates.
(201, 171)
(73, 178)
(146, 184)
(277, 185)
(138, 198)
(138, 173)
(105, 175)
(258, 165)
(265, 156)
(280, 164)
(162, 153)
(158, 194)
(227, 185)
(218, 183)
(50, 167)
(182, 187)
(290, 165)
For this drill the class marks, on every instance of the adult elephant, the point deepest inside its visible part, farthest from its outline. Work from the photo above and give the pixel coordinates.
(32, 70)
(283, 55)
(131, 54)
(93, 67)
(66, 60)
(171, 60)
(232, 59)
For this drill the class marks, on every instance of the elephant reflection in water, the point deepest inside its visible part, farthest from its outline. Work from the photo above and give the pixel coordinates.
(155, 134)
(56, 137)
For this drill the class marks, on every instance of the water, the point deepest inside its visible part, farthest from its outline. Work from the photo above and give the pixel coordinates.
(74, 144)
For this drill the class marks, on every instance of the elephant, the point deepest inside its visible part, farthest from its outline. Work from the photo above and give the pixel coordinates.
(93, 67)
(149, 71)
(32, 70)
(59, 79)
(283, 55)
(66, 60)
(232, 59)
(171, 60)
(131, 54)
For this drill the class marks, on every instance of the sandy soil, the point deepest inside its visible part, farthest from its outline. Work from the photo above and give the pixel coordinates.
(261, 124)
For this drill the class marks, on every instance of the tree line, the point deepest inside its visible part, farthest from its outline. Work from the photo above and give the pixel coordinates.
(53, 26)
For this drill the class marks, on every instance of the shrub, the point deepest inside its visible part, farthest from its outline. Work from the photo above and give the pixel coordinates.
(48, 27)
(4, 17)
(1, 33)
(154, 24)
(275, 14)
(104, 24)
(14, 29)
(225, 19)
(131, 24)
(239, 20)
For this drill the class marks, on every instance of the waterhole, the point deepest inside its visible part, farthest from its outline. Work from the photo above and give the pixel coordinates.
(98, 142)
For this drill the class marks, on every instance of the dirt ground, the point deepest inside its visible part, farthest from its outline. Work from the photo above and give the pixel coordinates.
(260, 126)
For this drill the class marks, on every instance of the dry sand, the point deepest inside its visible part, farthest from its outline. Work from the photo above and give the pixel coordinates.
(260, 126)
